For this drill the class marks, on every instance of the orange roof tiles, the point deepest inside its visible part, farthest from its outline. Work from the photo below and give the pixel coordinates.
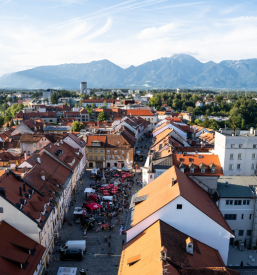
(196, 160)
(163, 237)
(135, 112)
(161, 136)
(160, 192)
(90, 139)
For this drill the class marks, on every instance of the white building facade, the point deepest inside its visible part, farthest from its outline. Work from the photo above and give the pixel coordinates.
(237, 153)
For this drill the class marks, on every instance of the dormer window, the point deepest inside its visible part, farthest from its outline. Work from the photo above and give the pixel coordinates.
(182, 169)
(192, 170)
(203, 170)
(213, 170)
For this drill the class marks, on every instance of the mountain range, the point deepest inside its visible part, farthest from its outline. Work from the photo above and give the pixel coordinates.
(181, 70)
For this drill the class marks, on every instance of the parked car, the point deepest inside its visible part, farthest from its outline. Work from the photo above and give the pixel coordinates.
(72, 254)
(76, 244)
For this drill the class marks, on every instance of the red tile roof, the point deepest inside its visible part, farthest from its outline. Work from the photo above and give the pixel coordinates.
(15, 247)
(195, 160)
(160, 192)
(142, 255)
(135, 112)
(90, 139)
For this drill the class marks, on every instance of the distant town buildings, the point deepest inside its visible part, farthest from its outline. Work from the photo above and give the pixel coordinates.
(47, 94)
(83, 88)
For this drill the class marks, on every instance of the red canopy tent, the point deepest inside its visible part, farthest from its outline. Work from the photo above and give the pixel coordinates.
(93, 206)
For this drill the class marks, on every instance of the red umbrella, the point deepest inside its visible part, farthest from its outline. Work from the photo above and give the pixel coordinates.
(93, 206)
(93, 197)
(116, 175)
(114, 191)
(110, 184)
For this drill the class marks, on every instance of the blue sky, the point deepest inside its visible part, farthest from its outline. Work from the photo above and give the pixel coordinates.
(51, 32)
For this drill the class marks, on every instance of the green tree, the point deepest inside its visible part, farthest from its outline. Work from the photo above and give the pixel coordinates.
(104, 105)
(76, 126)
(12, 123)
(102, 116)
(54, 98)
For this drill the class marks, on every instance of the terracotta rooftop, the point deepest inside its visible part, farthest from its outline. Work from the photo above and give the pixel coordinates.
(142, 255)
(55, 174)
(90, 139)
(14, 251)
(135, 112)
(160, 192)
(118, 141)
(195, 160)
(34, 205)
(161, 136)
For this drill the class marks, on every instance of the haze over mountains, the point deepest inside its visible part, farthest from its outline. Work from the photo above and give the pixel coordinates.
(180, 70)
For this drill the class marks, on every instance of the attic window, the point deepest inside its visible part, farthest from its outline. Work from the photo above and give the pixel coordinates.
(203, 170)
(213, 170)
(179, 206)
(200, 157)
(132, 260)
(191, 160)
(192, 170)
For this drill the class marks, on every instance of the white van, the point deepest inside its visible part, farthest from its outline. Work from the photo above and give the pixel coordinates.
(106, 199)
(79, 244)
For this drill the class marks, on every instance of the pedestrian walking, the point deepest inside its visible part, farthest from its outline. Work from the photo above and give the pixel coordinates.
(123, 242)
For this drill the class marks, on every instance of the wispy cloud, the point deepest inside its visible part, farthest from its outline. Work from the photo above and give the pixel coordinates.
(5, 3)
(181, 5)
(121, 7)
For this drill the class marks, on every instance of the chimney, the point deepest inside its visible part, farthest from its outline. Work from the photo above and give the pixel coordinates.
(25, 155)
(43, 176)
(22, 172)
(251, 131)
(24, 187)
(189, 246)
(20, 188)
(61, 141)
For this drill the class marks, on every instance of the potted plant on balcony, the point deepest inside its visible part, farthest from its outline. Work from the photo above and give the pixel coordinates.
(254, 248)
(236, 244)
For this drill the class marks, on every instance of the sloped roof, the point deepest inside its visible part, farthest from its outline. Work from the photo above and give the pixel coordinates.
(90, 139)
(135, 112)
(199, 160)
(11, 249)
(160, 192)
(147, 246)
(161, 136)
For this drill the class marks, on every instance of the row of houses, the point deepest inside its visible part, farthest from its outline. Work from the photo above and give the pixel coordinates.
(36, 187)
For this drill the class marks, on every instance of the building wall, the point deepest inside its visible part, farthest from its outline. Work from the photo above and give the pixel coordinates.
(19, 220)
(116, 156)
(28, 147)
(42, 143)
(223, 148)
(189, 220)
(94, 152)
(245, 223)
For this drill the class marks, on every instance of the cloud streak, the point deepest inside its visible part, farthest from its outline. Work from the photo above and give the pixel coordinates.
(5, 3)
(181, 5)
(122, 7)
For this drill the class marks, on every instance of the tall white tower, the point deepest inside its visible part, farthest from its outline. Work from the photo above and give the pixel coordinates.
(83, 87)
(178, 90)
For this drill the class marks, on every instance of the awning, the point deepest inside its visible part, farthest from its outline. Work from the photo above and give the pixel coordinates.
(93, 206)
